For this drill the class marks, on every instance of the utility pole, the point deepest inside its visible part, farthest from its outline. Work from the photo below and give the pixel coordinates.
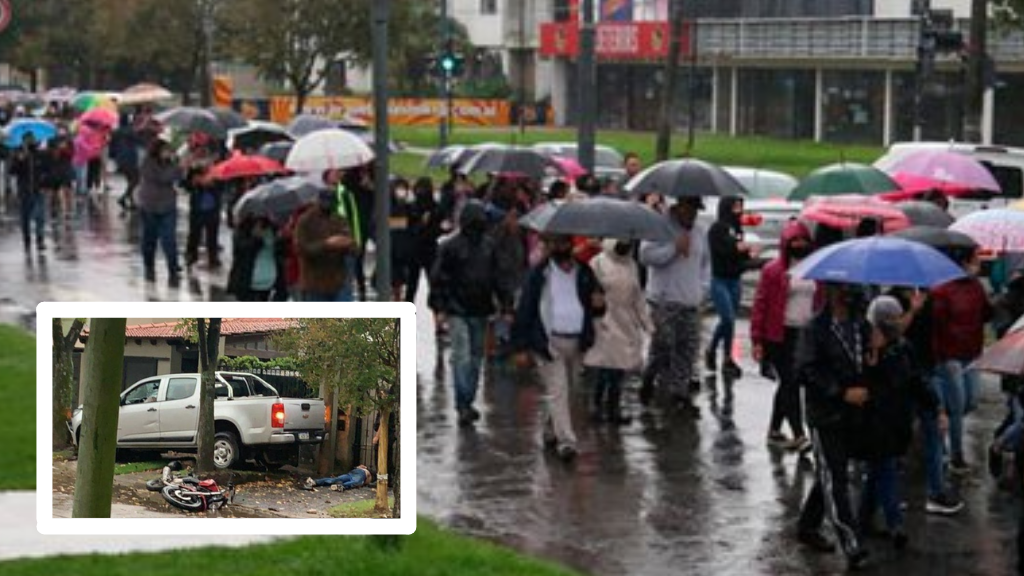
(924, 64)
(446, 42)
(668, 90)
(380, 12)
(206, 8)
(974, 87)
(691, 99)
(585, 88)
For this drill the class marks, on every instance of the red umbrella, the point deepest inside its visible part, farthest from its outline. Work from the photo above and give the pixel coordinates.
(913, 185)
(1005, 356)
(241, 166)
(847, 210)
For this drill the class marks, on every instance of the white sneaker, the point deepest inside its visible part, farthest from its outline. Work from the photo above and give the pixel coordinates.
(335, 487)
(309, 484)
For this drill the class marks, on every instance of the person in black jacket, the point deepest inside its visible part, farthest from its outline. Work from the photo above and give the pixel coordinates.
(28, 168)
(467, 285)
(882, 434)
(830, 364)
(257, 262)
(425, 228)
(555, 323)
(729, 257)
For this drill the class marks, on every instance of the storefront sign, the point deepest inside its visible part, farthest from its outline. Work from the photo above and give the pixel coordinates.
(401, 111)
(612, 40)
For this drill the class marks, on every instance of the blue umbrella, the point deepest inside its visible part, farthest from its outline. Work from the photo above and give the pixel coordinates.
(880, 261)
(15, 132)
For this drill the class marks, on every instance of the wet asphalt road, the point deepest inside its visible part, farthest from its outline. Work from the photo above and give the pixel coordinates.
(668, 494)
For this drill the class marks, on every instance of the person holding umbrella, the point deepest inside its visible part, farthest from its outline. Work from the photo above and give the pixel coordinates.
(554, 324)
(729, 258)
(27, 166)
(677, 275)
(157, 202)
(204, 199)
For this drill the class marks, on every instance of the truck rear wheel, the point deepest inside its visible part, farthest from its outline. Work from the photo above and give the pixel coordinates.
(225, 450)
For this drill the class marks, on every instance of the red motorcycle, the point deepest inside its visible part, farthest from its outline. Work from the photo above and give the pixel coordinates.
(199, 496)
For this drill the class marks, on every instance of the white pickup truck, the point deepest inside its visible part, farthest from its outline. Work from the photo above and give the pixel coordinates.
(162, 412)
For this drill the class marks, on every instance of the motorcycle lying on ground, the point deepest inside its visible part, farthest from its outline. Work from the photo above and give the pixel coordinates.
(189, 492)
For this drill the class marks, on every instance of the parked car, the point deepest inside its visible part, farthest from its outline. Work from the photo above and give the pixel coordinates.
(608, 162)
(1005, 163)
(250, 418)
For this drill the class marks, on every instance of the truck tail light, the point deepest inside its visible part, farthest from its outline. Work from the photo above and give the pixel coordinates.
(277, 416)
(327, 415)
(751, 219)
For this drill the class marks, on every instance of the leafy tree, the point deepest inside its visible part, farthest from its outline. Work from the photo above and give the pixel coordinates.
(1008, 13)
(356, 359)
(102, 367)
(63, 378)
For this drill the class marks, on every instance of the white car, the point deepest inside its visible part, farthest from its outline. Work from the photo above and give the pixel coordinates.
(1005, 163)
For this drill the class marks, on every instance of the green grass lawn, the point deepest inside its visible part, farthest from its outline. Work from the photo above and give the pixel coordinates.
(358, 509)
(796, 157)
(132, 467)
(430, 551)
(18, 398)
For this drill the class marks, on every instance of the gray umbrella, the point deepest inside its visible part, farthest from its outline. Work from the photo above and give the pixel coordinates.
(277, 150)
(600, 217)
(304, 124)
(228, 118)
(685, 178)
(277, 199)
(922, 213)
(510, 160)
(937, 237)
(192, 119)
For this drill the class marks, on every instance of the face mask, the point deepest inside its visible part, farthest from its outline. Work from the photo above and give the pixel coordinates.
(623, 248)
(402, 193)
(799, 252)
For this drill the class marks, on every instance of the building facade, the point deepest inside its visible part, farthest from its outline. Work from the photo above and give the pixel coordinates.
(835, 71)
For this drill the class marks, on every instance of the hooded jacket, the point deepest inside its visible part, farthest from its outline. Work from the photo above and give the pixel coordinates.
(620, 333)
(723, 237)
(768, 315)
(467, 278)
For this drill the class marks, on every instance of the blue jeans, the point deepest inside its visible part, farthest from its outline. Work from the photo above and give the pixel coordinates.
(163, 228)
(467, 340)
(725, 295)
(32, 210)
(957, 391)
(933, 452)
(342, 295)
(882, 488)
(346, 480)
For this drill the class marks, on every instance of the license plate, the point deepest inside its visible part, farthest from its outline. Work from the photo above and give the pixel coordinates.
(303, 435)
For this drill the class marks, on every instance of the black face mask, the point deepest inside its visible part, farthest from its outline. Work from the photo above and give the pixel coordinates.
(800, 252)
(561, 254)
(623, 248)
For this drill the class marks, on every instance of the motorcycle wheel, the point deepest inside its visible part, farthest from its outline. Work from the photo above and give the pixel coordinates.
(155, 485)
(175, 497)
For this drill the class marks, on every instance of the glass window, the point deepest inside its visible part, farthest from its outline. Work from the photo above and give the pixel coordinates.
(239, 386)
(145, 392)
(220, 389)
(261, 388)
(180, 388)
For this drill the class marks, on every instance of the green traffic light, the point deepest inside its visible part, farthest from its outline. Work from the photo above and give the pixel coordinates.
(448, 63)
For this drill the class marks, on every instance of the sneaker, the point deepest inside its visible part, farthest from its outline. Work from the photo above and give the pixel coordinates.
(308, 484)
(777, 439)
(857, 559)
(336, 487)
(474, 414)
(800, 444)
(959, 467)
(567, 453)
(943, 504)
(816, 541)
(465, 419)
(710, 362)
(731, 369)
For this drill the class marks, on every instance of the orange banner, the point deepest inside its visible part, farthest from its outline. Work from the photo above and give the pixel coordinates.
(401, 111)
(222, 91)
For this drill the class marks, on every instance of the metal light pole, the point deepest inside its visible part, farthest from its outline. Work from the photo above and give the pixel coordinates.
(975, 84)
(585, 87)
(668, 91)
(691, 99)
(446, 33)
(380, 12)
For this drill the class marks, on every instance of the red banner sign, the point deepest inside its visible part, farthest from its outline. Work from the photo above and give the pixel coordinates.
(612, 40)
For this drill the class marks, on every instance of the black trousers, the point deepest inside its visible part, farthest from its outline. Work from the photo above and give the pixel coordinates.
(786, 405)
(831, 492)
(206, 223)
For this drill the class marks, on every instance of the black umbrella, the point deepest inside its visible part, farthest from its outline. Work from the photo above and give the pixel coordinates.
(192, 119)
(228, 118)
(277, 199)
(255, 136)
(444, 157)
(685, 178)
(277, 150)
(510, 160)
(601, 217)
(304, 124)
(921, 213)
(940, 238)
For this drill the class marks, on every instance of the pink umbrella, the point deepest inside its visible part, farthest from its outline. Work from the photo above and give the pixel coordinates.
(948, 167)
(569, 167)
(996, 230)
(847, 210)
(913, 185)
(88, 146)
(100, 119)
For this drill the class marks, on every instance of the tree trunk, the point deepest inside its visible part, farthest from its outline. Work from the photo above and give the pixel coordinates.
(300, 100)
(103, 368)
(209, 341)
(343, 451)
(63, 379)
(397, 511)
(325, 458)
(382, 465)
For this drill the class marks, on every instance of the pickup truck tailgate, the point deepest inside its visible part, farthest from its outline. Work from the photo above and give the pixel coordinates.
(303, 414)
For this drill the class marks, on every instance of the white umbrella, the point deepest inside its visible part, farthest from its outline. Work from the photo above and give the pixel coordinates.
(144, 94)
(328, 150)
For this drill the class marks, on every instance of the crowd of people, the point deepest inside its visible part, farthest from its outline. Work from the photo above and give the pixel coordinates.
(855, 368)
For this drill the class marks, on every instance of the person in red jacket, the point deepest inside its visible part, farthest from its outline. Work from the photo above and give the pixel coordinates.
(960, 310)
(783, 306)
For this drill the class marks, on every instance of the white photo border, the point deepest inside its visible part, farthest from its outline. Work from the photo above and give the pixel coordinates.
(47, 524)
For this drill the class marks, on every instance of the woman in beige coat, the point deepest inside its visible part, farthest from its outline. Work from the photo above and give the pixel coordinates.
(619, 334)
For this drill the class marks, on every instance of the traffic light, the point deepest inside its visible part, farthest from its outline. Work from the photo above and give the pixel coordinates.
(451, 64)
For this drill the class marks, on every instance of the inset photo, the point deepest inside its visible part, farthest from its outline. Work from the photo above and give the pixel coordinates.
(207, 418)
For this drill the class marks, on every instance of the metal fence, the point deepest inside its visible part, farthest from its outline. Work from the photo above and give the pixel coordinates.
(288, 383)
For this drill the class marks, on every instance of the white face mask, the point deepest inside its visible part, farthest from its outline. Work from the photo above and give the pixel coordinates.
(402, 193)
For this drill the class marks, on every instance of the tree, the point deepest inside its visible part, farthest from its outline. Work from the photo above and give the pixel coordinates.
(209, 347)
(1008, 13)
(63, 378)
(103, 367)
(358, 359)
